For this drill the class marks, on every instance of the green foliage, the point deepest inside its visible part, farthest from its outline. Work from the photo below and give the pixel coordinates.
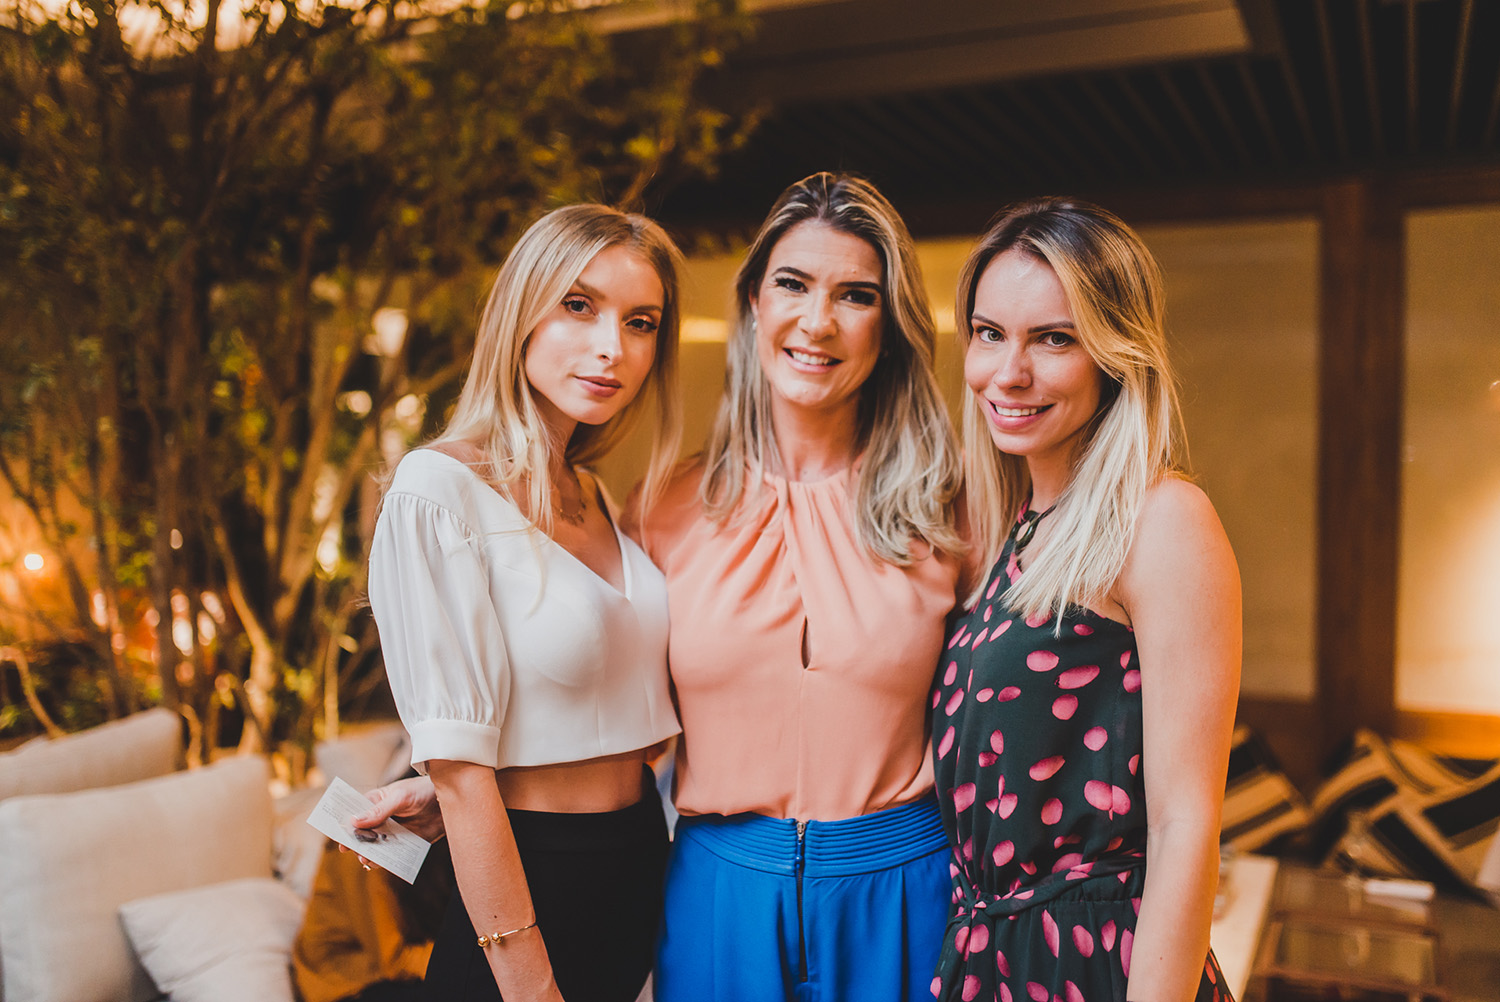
(198, 237)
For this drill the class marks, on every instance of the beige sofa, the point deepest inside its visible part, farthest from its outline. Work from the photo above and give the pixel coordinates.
(123, 879)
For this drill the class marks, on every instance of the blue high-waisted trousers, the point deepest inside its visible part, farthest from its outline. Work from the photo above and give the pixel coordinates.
(764, 909)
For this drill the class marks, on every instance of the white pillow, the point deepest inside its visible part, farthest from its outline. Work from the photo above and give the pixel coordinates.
(297, 847)
(68, 861)
(369, 757)
(229, 942)
(122, 751)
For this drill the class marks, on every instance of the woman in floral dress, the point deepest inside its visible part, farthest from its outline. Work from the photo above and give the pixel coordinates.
(1083, 707)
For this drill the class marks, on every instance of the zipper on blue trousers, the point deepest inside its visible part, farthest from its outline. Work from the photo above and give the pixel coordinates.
(801, 933)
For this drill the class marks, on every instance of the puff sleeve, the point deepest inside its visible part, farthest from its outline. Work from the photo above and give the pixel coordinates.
(444, 649)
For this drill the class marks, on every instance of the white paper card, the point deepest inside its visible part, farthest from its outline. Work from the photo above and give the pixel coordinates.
(390, 846)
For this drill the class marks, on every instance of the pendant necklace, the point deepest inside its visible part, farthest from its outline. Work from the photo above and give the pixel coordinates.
(1025, 529)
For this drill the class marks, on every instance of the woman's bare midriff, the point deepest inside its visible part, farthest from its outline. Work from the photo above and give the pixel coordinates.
(592, 786)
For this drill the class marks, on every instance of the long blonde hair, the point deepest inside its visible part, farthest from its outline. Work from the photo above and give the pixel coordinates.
(496, 409)
(910, 472)
(1114, 289)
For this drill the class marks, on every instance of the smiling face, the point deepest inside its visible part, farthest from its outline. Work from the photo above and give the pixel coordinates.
(819, 311)
(590, 355)
(1034, 382)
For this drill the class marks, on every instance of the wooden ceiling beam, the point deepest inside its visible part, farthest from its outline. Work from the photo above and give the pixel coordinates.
(1299, 108)
(1372, 85)
(1144, 110)
(1080, 165)
(1022, 138)
(1115, 122)
(1460, 62)
(1082, 128)
(1216, 98)
(1164, 75)
(1413, 133)
(1331, 77)
(1258, 106)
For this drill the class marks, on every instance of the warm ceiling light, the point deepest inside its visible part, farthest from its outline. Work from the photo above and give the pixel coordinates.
(33, 562)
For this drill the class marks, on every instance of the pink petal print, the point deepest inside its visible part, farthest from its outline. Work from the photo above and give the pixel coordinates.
(993, 585)
(1005, 995)
(1004, 853)
(937, 694)
(1134, 764)
(1029, 869)
(984, 695)
(1077, 678)
(1063, 707)
(979, 637)
(1005, 695)
(1098, 795)
(992, 805)
(1114, 844)
(961, 939)
(999, 630)
(951, 673)
(1023, 895)
(1052, 811)
(1133, 680)
(1095, 738)
(1049, 932)
(963, 797)
(1082, 630)
(1041, 661)
(1208, 972)
(953, 640)
(1125, 660)
(1107, 935)
(1007, 805)
(1037, 992)
(971, 987)
(1001, 964)
(1038, 621)
(1067, 861)
(997, 742)
(1046, 768)
(954, 702)
(1121, 799)
(979, 938)
(1071, 992)
(1127, 940)
(946, 744)
(987, 759)
(967, 850)
(937, 984)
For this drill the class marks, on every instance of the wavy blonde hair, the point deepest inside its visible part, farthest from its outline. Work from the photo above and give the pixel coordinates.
(910, 472)
(496, 410)
(1114, 289)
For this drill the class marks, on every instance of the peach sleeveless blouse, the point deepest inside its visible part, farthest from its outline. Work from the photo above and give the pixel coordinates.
(840, 734)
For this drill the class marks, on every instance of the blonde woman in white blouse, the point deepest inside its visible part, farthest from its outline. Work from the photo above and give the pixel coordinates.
(525, 637)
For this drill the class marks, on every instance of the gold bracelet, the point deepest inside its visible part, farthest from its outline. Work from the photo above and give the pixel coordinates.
(485, 941)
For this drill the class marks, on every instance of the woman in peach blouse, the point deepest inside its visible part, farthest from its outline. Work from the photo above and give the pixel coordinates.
(810, 566)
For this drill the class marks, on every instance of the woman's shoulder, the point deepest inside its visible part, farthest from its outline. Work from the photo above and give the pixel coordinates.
(1172, 504)
(445, 479)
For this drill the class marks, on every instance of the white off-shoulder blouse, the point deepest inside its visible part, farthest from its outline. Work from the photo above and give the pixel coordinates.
(502, 648)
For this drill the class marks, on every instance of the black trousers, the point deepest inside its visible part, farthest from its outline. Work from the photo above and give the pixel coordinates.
(596, 885)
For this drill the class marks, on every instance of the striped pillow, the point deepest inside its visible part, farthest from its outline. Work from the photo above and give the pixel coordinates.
(1367, 773)
(1442, 836)
(1260, 803)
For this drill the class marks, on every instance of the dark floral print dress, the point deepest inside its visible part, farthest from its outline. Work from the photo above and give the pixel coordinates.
(1036, 744)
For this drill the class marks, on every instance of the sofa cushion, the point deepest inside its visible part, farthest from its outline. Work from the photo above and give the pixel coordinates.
(137, 747)
(1441, 836)
(1368, 772)
(229, 942)
(1260, 803)
(68, 861)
